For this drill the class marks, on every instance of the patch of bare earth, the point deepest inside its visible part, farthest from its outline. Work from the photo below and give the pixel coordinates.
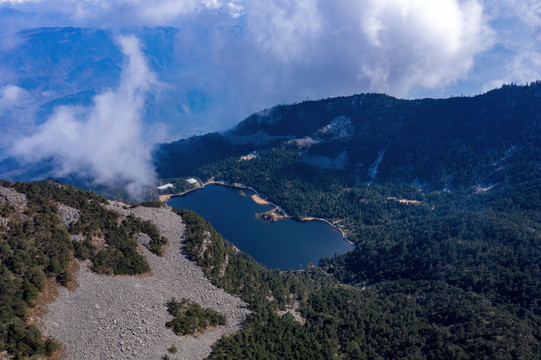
(258, 200)
(123, 317)
(404, 201)
(5, 356)
(293, 310)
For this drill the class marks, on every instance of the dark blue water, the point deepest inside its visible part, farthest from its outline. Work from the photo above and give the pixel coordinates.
(285, 244)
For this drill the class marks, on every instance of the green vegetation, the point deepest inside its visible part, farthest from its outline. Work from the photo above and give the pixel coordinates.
(435, 143)
(116, 249)
(190, 318)
(448, 244)
(150, 203)
(392, 319)
(485, 242)
(264, 290)
(442, 269)
(240, 274)
(31, 249)
(34, 246)
(443, 275)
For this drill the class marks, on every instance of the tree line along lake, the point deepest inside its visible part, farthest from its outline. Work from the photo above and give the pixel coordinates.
(286, 244)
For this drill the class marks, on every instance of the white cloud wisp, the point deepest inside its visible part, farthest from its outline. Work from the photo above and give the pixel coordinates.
(105, 142)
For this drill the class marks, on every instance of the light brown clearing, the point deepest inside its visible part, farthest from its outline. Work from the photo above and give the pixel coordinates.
(404, 201)
(258, 200)
(165, 198)
(273, 215)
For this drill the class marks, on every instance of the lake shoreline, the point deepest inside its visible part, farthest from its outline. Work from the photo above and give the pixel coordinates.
(258, 200)
(342, 231)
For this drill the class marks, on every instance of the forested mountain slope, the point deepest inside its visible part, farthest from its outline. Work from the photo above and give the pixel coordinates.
(434, 144)
(441, 197)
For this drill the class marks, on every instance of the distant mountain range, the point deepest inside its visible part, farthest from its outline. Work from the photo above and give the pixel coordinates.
(434, 144)
(68, 66)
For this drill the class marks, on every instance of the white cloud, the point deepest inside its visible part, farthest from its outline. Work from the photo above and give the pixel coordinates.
(14, 117)
(518, 26)
(235, 9)
(164, 12)
(16, 2)
(522, 68)
(105, 141)
(392, 45)
(286, 29)
(379, 45)
(12, 96)
(117, 13)
(14, 102)
(422, 43)
(528, 11)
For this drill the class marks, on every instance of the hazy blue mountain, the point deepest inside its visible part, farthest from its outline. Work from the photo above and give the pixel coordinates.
(64, 59)
(63, 66)
(431, 143)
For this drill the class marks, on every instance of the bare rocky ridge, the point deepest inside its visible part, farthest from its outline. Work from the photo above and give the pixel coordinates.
(17, 201)
(68, 214)
(123, 317)
(13, 198)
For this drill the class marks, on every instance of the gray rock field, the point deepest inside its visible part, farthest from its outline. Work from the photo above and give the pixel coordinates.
(123, 317)
(67, 214)
(13, 198)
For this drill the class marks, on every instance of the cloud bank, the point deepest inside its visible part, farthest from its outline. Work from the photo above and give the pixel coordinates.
(390, 46)
(106, 141)
(235, 57)
(312, 48)
(518, 49)
(11, 96)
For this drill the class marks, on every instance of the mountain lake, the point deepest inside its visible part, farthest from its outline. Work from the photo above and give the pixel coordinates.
(286, 244)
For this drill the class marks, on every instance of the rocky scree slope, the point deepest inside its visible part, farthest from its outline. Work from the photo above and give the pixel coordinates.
(112, 317)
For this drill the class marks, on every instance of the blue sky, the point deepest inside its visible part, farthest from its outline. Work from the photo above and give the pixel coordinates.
(236, 57)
